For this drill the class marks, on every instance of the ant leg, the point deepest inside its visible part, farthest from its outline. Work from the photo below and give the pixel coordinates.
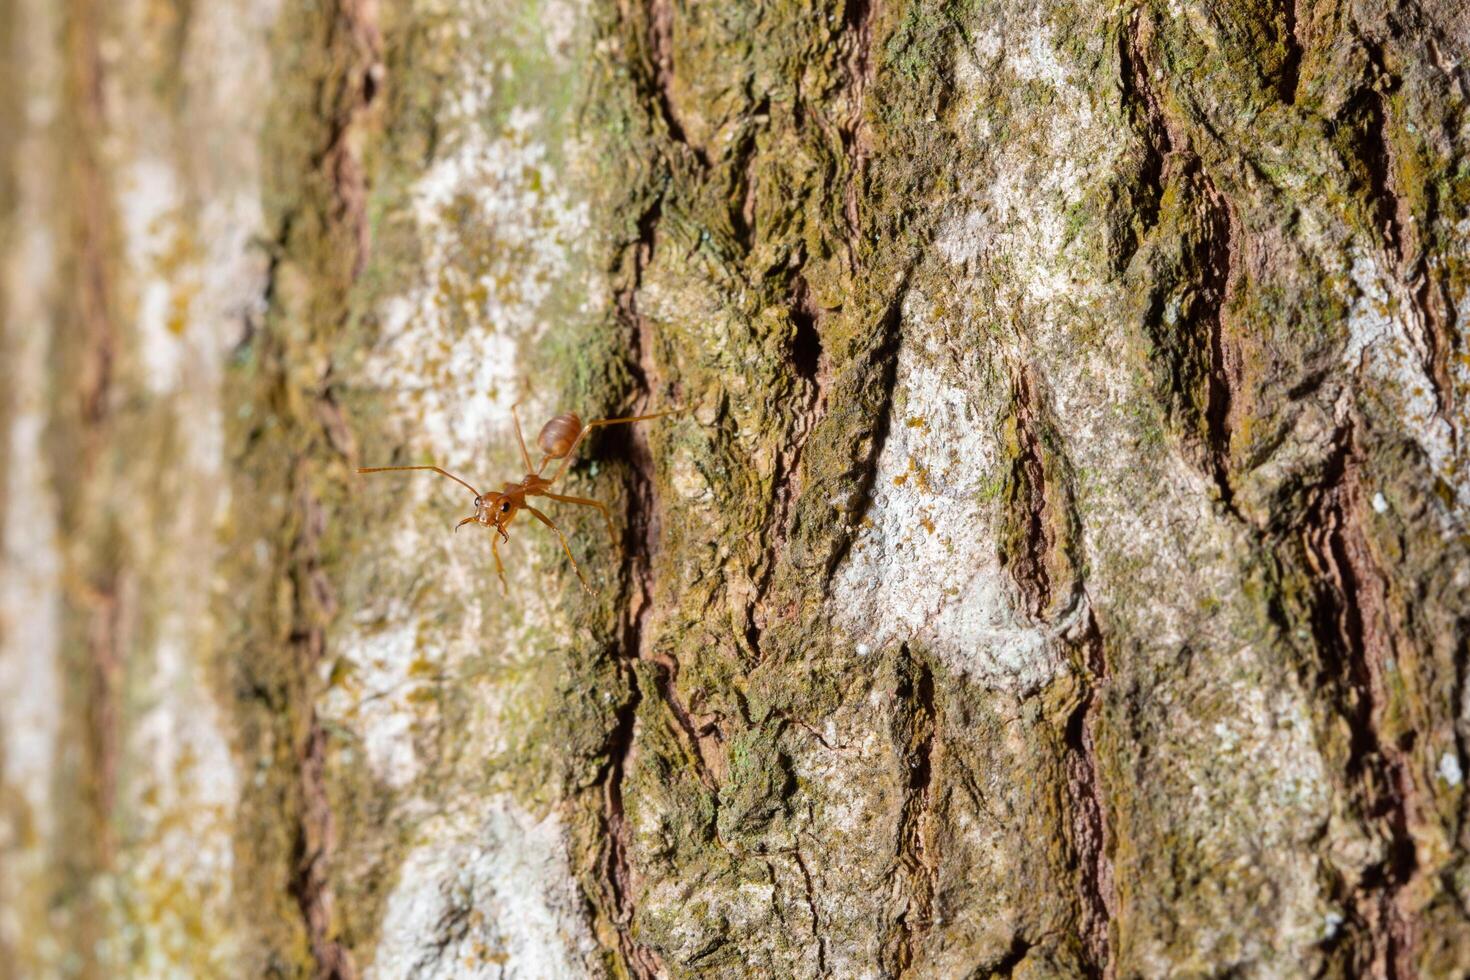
(575, 567)
(567, 459)
(499, 568)
(585, 502)
(515, 416)
(390, 469)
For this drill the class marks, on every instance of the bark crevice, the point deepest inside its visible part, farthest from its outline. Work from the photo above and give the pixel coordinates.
(660, 36)
(640, 541)
(1217, 265)
(82, 363)
(1371, 107)
(857, 18)
(617, 874)
(1355, 640)
(1090, 831)
(1034, 541)
(1150, 128)
(863, 473)
(1183, 253)
(916, 858)
(1293, 49)
(811, 904)
(320, 432)
(1398, 229)
(1041, 551)
(812, 376)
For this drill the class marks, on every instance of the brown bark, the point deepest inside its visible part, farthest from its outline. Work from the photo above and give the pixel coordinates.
(1057, 566)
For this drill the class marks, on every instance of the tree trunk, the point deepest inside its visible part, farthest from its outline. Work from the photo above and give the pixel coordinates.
(1059, 564)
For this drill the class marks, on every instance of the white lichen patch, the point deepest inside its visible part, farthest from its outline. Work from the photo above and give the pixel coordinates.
(1035, 59)
(403, 648)
(30, 603)
(190, 221)
(1024, 231)
(155, 238)
(195, 274)
(563, 22)
(31, 698)
(1449, 770)
(501, 231)
(487, 893)
(1387, 342)
(371, 690)
(1023, 222)
(924, 567)
(182, 798)
(500, 225)
(380, 684)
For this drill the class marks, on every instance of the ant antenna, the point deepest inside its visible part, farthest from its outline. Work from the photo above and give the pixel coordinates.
(389, 469)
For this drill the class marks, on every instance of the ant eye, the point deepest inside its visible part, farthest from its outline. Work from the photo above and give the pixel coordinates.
(504, 507)
(477, 501)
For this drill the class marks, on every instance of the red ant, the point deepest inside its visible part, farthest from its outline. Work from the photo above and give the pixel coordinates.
(559, 438)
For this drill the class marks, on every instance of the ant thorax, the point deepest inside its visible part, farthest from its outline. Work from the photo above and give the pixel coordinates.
(532, 484)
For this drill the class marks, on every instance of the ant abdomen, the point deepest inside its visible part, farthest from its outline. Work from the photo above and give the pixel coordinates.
(559, 435)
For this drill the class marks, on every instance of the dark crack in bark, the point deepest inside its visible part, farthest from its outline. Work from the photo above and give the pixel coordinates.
(1040, 542)
(811, 904)
(1188, 265)
(1146, 119)
(866, 442)
(656, 36)
(917, 859)
(1217, 264)
(639, 544)
(812, 375)
(1370, 109)
(349, 87)
(362, 79)
(1184, 276)
(744, 187)
(313, 605)
(1290, 34)
(616, 874)
(667, 678)
(1355, 640)
(857, 19)
(1090, 831)
(1029, 552)
(103, 606)
(1041, 553)
(1014, 956)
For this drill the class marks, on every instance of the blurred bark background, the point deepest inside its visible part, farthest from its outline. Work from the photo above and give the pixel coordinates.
(1059, 567)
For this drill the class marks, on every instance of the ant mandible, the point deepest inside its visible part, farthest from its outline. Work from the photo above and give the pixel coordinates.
(559, 438)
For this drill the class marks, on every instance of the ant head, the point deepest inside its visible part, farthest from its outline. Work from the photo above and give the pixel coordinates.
(492, 510)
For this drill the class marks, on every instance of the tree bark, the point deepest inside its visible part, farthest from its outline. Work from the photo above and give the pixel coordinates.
(1058, 564)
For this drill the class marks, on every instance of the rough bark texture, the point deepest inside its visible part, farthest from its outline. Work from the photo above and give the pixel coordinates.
(1060, 565)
